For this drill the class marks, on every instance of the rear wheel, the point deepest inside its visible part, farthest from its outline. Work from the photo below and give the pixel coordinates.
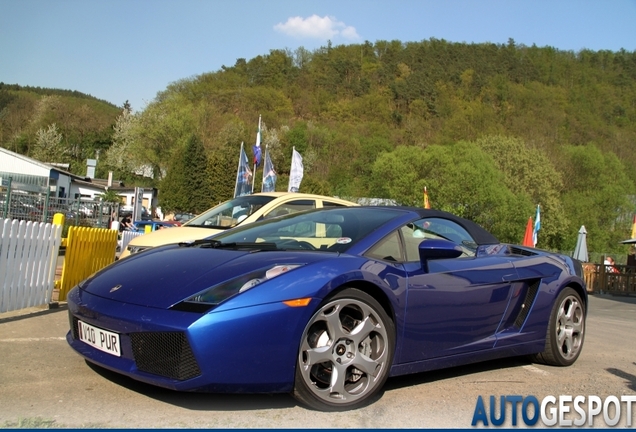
(345, 353)
(566, 330)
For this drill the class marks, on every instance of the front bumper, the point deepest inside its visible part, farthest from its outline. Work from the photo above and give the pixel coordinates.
(251, 349)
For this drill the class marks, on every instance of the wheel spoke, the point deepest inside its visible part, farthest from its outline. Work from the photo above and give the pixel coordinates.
(338, 377)
(567, 341)
(318, 355)
(367, 365)
(334, 326)
(363, 330)
(570, 313)
(562, 336)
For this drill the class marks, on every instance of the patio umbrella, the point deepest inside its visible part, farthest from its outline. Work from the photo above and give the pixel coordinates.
(527, 239)
(580, 251)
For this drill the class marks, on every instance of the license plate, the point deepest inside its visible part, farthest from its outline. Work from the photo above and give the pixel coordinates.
(101, 339)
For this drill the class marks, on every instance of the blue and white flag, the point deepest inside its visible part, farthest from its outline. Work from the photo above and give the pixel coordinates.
(296, 172)
(257, 147)
(537, 226)
(243, 176)
(269, 175)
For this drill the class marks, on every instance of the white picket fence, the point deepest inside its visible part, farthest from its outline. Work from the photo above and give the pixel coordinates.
(28, 257)
(126, 237)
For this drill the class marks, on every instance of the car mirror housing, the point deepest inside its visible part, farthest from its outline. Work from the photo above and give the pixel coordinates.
(438, 249)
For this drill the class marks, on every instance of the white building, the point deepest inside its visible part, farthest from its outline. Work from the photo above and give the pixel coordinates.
(29, 175)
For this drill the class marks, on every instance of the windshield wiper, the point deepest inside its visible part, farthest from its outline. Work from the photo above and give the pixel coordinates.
(207, 243)
(217, 244)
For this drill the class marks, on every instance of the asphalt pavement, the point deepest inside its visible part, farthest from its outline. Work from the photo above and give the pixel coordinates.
(46, 384)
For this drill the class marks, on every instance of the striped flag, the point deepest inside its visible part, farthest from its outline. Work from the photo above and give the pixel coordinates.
(537, 226)
(257, 147)
(269, 175)
(243, 176)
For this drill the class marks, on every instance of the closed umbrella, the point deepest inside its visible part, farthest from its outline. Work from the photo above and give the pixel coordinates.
(527, 239)
(580, 251)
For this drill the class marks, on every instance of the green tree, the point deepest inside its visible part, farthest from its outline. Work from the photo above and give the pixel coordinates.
(597, 196)
(530, 175)
(48, 145)
(187, 184)
(461, 179)
(110, 196)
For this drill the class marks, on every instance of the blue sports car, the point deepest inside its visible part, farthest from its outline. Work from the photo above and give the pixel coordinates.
(328, 304)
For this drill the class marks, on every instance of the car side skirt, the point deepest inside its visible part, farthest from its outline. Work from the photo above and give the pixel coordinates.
(468, 358)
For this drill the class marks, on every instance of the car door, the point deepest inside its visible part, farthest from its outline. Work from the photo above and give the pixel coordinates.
(454, 305)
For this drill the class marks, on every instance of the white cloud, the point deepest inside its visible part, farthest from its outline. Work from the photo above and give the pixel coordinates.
(316, 27)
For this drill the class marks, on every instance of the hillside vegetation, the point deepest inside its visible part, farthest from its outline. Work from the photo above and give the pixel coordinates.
(491, 130)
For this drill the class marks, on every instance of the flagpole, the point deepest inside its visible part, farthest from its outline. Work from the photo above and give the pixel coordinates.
(238, 168)
(256, 146)
(264, 163)
(253, 178)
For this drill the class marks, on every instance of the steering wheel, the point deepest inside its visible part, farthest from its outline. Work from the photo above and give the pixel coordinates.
(305, 245)
(299, 244)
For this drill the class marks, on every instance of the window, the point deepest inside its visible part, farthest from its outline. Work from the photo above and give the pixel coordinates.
(435, 228)
(329, 204)
(388, 249)
(291, 207)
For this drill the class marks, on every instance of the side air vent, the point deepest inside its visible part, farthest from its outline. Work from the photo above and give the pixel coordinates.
(531, 293)
(513, 250)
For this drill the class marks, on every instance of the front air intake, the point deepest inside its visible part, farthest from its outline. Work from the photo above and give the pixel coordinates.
(164, 353)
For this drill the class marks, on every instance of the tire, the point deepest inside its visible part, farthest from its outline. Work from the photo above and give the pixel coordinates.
(345, 353)
(566, 330)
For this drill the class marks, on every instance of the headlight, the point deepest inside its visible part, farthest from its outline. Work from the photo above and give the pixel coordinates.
(218, 293)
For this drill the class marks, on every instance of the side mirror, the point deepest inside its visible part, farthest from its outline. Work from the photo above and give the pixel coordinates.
(437, 249)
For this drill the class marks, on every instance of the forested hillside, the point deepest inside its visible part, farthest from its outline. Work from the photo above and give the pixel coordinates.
(491, 131)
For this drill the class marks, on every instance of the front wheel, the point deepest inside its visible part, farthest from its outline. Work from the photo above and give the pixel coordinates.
(345, 353)
(566, 330)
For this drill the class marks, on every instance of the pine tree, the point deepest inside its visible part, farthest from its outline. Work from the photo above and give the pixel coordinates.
(187, 185)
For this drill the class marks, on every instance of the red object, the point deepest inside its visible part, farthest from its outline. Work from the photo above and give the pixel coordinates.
(527, 239)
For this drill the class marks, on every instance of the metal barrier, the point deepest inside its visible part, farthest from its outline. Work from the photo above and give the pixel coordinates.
(87, 251)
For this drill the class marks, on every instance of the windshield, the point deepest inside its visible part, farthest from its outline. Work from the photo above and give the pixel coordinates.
(335, 229)
(230, 213)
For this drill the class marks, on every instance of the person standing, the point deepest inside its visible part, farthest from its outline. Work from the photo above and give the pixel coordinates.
(609, 265)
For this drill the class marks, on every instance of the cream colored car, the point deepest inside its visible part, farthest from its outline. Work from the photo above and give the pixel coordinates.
(242, 210)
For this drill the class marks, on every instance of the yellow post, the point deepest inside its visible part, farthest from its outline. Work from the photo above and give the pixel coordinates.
(148, 228)
(58, 219)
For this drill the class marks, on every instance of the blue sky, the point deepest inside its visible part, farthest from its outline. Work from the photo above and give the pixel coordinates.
(120, 50)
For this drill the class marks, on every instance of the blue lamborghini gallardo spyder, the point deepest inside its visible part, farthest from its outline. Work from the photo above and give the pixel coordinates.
(327, 304)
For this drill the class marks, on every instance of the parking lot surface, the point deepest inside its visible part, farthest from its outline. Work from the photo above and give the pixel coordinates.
(45, 384)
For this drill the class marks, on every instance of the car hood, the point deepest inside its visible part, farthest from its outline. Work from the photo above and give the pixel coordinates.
(164, 276)
(173, 235)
